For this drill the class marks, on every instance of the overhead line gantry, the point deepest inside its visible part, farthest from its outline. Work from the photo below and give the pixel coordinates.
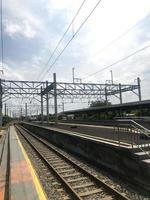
(43, 91)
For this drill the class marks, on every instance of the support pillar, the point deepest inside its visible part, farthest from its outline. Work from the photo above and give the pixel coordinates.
(1, 104)
(41, 106)
(47, 103)
(139, 88)
(55, 98)
(120, 93)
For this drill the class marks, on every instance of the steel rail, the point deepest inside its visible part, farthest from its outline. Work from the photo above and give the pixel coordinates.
(7, 194)
(2, 149)
(63, 181)
(110, 190)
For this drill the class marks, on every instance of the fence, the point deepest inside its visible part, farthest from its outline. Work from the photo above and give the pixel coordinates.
(133, 133)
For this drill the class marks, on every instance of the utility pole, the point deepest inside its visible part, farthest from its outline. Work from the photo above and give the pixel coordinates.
(55, 98)
(112, 81)
(120, 93)
(106, 94)
(63, 106)
(26, 111)
(73, 74)
(78, 80)
(37, 113)
(10, 113)
(41, 106)
(20, 113)
(5, 110)
(139, 88)
(47, 103)
(1, 104)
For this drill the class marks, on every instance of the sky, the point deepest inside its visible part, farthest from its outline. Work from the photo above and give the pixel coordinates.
(116, 29)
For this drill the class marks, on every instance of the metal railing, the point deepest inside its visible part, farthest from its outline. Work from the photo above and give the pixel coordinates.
(133, 133)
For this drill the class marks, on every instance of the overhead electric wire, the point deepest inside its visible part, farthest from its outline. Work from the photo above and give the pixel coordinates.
(106, 46)
(118, 61)
(122, 35)
(66, 30)
(73, 36)
(61, 39)
(2, 46)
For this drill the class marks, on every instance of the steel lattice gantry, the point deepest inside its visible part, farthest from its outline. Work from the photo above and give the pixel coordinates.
(20, 89)
(37, 90)
(89, 89)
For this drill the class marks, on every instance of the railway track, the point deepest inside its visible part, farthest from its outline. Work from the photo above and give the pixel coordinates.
(3, 140)
(79, 183)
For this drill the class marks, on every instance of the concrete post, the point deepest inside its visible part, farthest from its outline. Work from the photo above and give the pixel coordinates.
(139, 88)
(55, 98)
(1, 104)
(41, 106)
(47, 103)
(120, 93)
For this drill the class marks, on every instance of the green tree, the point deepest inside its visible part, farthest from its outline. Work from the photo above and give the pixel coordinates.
(99, 103)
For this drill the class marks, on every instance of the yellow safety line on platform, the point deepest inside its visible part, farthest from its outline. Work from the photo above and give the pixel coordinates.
(37, 184)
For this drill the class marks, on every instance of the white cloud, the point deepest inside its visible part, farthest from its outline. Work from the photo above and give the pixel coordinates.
(19, 19)
(48, 20)
(10, 73)
(11, 28)
(23, 29)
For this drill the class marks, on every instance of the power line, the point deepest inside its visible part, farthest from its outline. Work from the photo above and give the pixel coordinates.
(2, 46)
(73, 36)
(118, 61)
(66, 31)
(122, 35)
(61, 39)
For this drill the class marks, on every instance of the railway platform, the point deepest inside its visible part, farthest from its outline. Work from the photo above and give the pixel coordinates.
(125, 153)
(18, 179)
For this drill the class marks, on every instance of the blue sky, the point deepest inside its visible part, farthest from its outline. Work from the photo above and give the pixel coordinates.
(32, 29)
